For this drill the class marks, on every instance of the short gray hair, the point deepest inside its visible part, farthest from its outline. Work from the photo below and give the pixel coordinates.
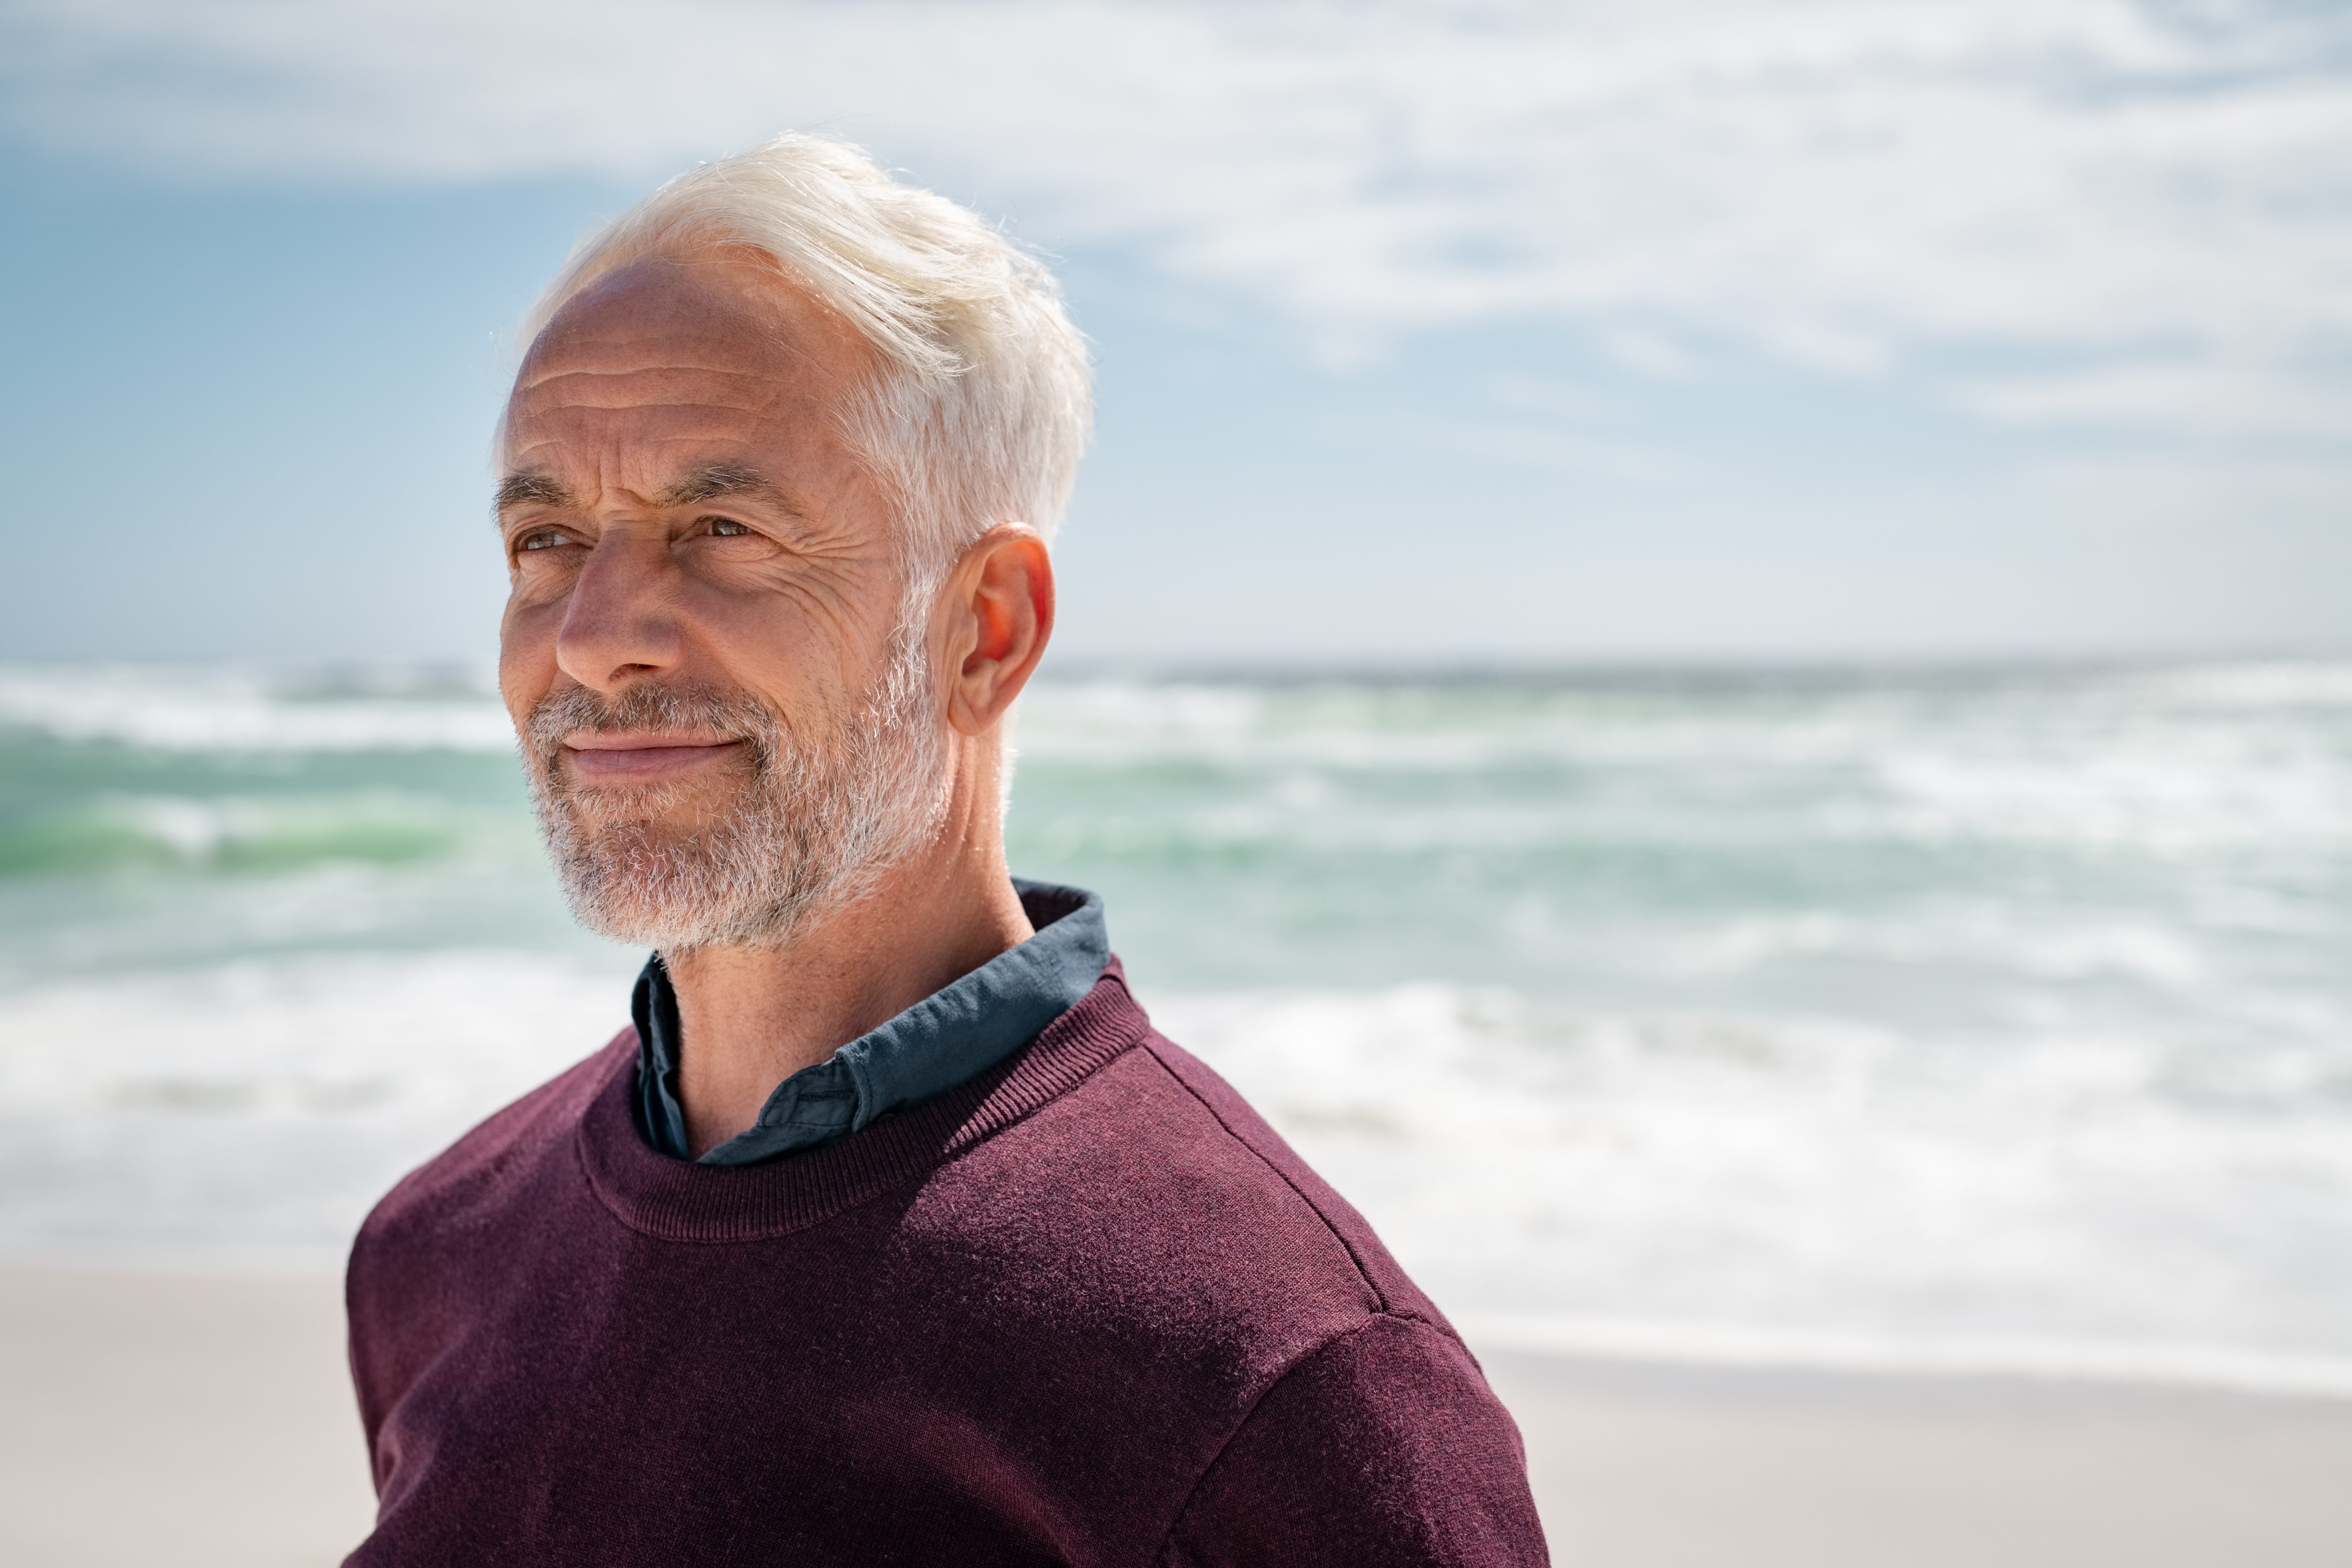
(984, 401)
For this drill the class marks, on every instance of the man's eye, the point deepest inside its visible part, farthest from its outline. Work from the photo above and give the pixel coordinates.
(547, 541)
(725, 527)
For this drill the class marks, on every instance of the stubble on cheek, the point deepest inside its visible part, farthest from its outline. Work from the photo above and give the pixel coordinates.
(666, 864)
(682, 806)
(789, 826)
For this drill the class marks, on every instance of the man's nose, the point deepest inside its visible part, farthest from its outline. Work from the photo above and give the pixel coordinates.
(621, 623)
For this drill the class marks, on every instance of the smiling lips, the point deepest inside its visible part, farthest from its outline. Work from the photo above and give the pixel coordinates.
(622, 754)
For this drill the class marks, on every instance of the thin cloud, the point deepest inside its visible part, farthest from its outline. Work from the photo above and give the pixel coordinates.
(1847, 187)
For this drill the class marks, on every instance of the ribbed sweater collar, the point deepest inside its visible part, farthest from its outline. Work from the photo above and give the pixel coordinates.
(956, 1033)
(676, 1201)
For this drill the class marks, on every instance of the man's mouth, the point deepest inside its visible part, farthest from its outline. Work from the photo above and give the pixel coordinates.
(621, 756)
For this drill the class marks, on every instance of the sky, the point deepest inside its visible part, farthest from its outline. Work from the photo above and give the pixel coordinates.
(1695, 331)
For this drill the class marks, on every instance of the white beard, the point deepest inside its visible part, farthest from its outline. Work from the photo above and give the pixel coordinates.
(806, 834)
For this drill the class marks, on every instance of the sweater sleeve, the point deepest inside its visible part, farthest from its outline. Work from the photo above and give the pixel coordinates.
(1385, 1447)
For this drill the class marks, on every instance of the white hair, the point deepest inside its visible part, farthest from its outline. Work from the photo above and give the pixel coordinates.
(984, 400)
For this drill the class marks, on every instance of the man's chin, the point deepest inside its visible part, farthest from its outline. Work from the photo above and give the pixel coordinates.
(647, 904)
(646, 816)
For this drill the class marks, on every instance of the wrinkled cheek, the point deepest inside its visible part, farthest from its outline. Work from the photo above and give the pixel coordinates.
(526, 659)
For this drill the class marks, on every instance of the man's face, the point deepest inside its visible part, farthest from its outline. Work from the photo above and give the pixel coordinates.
(699, 649)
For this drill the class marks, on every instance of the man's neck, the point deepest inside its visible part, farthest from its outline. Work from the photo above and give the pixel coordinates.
(750, 1017)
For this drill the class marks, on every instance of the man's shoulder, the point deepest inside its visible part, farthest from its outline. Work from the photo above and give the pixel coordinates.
(1157, 1181)
(480, 1172)
(1395, 1294)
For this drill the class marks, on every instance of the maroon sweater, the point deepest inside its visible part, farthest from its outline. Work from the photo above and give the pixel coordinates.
(1085, 1309)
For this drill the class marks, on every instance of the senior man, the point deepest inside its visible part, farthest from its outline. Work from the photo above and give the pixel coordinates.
(891, 1231)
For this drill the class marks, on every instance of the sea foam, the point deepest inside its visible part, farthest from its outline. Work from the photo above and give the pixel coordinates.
(1977, 1020)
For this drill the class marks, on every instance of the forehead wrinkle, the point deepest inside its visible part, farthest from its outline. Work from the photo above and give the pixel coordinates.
(568, 363)
(728, 351)
(565, 415)
(607, 389)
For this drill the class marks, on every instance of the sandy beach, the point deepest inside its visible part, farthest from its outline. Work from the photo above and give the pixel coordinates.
(202, 1420)
(1641, 1465)
(189, 1419)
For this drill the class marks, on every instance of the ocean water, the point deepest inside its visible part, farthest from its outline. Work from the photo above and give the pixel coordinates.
(1987, 1020)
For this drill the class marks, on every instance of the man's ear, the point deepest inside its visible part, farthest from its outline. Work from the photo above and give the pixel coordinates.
(1001, 597)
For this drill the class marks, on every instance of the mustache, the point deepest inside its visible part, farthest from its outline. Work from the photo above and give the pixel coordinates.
(695, 709)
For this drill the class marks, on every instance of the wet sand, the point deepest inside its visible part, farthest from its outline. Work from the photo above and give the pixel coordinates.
(187, 1420)
(1659, 1467)
(198, 1420)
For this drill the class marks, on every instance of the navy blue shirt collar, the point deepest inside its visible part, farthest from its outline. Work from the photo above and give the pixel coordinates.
(955, 1033)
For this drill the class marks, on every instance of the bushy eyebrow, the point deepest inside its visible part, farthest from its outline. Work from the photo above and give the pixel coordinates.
(517, 488)
(714, 482)
(723, 480)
